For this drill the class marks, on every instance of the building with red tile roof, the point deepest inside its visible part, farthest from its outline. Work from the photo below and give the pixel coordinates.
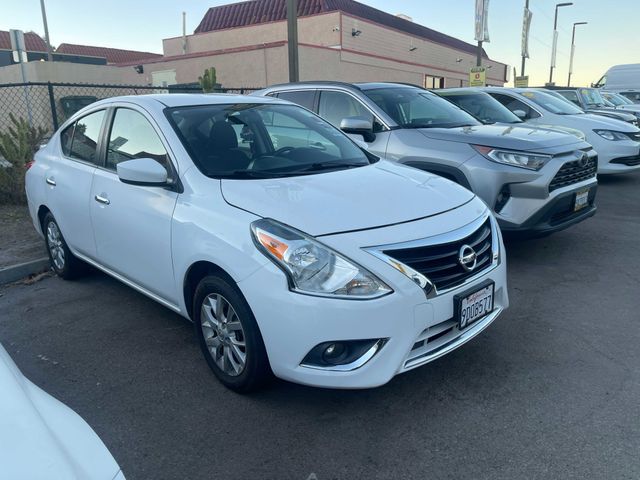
(112, 55)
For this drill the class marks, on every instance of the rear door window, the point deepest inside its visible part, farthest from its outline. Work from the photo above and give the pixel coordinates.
(83, 143)
(335, 106)
(514, 105)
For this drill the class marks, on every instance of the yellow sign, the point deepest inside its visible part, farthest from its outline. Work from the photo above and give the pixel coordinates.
(522, 82)
(477, 77)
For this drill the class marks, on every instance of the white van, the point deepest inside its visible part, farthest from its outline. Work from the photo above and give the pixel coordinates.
(623, 79)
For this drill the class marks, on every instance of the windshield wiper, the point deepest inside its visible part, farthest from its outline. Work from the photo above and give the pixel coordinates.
(332, 165)
(255, 174)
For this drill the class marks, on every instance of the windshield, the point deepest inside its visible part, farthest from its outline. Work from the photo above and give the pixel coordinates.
(551, 103)
(262, 141)
(482, 106)
(592, 97)
(615, 99)
(415, 108)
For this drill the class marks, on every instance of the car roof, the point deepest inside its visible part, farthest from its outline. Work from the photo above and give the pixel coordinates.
(188, 99)
(328, 83)
(462, 90)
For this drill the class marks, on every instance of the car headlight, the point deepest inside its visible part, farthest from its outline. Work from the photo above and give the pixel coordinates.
(531, 161)
(611, 135)
(313, 268)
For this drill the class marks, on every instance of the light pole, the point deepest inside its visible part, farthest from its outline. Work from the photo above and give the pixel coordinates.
(292, 39)
(555, 39)
(46, 31)
(573, 49)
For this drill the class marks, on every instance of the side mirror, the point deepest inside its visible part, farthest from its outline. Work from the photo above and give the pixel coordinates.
(521, 114)
(142, 171)
(358, 126)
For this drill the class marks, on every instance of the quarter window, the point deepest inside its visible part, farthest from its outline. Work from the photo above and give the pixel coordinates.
(81, 139)
(132, 136)
(304, 98)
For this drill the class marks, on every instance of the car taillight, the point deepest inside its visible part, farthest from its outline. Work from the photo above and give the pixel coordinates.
(28, 165)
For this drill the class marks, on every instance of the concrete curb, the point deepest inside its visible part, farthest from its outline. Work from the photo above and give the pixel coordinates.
(17, 272)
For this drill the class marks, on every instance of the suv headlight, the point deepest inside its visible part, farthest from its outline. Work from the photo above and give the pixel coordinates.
(530, 161)
(611, 135)
(313, 268)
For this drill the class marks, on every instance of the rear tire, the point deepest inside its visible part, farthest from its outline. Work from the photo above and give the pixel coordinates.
(229, 335)
(63, 262)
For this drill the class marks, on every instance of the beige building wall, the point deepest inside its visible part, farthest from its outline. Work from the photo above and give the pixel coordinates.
(67, 72)
(318, 30)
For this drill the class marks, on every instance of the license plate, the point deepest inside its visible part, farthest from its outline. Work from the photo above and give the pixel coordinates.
(471, 307)
(582, 200)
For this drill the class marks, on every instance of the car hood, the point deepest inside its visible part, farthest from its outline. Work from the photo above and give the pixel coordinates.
(512, 137)
(348, 200)
(42, 438)
(612, 112)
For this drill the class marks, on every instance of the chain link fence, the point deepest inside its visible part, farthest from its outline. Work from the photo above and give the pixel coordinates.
(48, 105)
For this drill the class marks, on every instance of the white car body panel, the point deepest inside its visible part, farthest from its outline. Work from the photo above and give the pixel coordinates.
(42, 439)
(150, 238)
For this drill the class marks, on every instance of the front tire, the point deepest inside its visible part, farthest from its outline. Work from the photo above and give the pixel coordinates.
(229, 336)
(63, 262)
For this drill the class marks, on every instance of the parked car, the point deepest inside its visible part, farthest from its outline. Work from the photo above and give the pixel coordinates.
(42, 438)
(590, 100)
(288, 246)
(489, 111)
(617, 142)
(536, 181)
(620, 102)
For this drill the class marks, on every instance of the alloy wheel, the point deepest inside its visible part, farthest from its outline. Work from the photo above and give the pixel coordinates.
(223, 334)
(55, 244)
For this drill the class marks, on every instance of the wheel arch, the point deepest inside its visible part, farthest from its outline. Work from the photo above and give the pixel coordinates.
(42, 212)
(195, 273)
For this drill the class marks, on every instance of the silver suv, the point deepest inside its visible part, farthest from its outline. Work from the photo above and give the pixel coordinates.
(536, 181)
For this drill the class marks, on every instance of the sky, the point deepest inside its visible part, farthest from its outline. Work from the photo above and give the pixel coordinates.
(611, 37)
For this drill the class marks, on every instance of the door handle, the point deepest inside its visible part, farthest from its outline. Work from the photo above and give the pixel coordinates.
(101, 199)
(50, 181)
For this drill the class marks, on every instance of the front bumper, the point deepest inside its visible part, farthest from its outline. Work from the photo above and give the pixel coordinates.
(292, 324)
(556, 214)
(618, 157)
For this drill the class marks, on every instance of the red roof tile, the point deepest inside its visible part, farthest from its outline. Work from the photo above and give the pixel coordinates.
(113, 55)
(33, 42)
(261, 11)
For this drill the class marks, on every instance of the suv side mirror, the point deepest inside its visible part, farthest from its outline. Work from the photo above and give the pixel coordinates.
(358, 126)
(521, 114)
(142, 171)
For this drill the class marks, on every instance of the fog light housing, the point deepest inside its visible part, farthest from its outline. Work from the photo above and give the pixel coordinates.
(503, 197)
(342, 355)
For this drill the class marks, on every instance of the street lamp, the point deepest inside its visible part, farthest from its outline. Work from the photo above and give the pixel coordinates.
(555, 39)
(573, 49)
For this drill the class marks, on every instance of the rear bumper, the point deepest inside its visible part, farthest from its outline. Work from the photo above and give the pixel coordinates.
(557, 215)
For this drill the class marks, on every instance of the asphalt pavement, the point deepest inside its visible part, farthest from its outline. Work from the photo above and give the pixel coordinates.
(550, 391)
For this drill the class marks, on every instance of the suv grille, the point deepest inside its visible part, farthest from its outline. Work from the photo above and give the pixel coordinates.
(439, 263)
(572, 172)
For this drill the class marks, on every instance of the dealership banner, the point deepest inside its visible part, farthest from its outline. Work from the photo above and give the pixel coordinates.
(526, 27)
(482, 25)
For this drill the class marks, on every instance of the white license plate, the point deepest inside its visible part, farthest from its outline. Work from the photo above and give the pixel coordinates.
(471, 307)
(582, 200)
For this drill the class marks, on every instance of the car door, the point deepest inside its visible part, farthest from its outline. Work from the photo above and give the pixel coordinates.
(131, 223)
(69, 181)
(525, 111)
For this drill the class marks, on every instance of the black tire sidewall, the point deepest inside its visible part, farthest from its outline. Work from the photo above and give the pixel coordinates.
(257, 370)
(63, 272)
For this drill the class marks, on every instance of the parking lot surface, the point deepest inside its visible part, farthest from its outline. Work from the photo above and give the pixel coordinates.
(550, 390)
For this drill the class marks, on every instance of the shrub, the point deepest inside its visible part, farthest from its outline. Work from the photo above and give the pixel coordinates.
(18, 144)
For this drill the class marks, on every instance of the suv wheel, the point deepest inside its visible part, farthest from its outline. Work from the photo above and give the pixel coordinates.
(229, 335)
(63, 262)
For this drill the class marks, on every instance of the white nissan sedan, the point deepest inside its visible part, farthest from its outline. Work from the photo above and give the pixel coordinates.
(293, 251)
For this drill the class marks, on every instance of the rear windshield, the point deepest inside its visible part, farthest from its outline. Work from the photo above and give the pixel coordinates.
(482, 106)
(415, 108)
(551, 103)
(247, 141)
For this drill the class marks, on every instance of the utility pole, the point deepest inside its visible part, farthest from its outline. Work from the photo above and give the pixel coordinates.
(573, 49)
(479, 55)
(292, 39)
(46, 31)
(555, 40)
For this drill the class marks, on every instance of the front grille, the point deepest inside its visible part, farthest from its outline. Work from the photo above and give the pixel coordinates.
(629, 161)
(573, 172)
(439, 263)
